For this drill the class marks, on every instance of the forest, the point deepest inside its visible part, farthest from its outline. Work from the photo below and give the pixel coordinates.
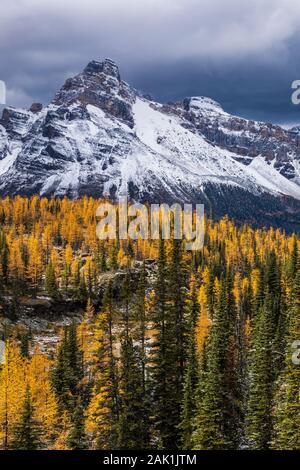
(175, 350)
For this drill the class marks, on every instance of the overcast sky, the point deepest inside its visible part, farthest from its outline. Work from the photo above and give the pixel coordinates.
(243, 54)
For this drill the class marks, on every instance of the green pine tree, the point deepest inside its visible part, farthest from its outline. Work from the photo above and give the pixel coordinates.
(26, 434)
(259, 420)
(141, 319)
(133, 427)
(67, 372)
(287, 403)
(76, 439)
(191, 379)
(104, 407)
(163, 388)
(210, 421)
(50, 282)
(61, 376)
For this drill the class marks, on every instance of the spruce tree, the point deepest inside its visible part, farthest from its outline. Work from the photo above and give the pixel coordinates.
(103, 412)
(133, 428)
(26, 434)
(188, 411)
(4, 258)
(259, 420)
(67, 372)
(50, 282)
(60, 375)
(75, 361)
(292, 266)
(163, 361)
(76, 439)
(25, 343)
(177, 319)
(141, 319)
(191, 379)
(210, 431)
(234, 366)
(287, 403)
(274, 288)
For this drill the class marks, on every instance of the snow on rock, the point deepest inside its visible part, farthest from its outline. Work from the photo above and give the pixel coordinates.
(101, 137)
(203, 105)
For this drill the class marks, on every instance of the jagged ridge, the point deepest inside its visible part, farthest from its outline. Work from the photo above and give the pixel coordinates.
(99, 136)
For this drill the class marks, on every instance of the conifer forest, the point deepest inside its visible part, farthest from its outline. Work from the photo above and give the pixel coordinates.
(159, 347)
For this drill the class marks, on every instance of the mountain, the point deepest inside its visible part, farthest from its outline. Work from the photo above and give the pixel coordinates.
(101, 137)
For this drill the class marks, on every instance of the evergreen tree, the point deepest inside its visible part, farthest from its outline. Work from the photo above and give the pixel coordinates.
(274, 288)
(102, 257)
(103, 412)
(188, 411)
(74, 361)
(210, 421)
(189, 397)
(177, 321)
(27, 431)
(130, 251)
(50, 282)
(141, 318)
(234, 367)
(4, 258)
(133, 425)
(76, 439)
(60, 376)
(292, 268)
(67, 373)
(259, 421)
(287, 403)
(133, 429)
(24, 343)
(163, 387)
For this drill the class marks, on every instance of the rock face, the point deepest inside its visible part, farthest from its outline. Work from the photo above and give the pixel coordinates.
(247, 139)
(36, 107)
(101, 137)
(99, 85)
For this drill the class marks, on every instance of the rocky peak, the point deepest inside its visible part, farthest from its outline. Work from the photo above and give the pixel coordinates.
(202, 104)
(36, 108)
(99, 85)
(107, 67)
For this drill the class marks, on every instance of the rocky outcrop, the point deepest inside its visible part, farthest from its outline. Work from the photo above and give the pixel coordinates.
(245, 138)
(100, 85)
(36, 107)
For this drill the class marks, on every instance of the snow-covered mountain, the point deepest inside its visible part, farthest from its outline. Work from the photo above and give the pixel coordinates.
(99, 136)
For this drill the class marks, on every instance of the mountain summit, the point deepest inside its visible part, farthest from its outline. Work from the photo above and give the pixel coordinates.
(101, 137)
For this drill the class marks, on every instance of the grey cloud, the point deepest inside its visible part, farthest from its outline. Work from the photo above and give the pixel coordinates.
(242, 54)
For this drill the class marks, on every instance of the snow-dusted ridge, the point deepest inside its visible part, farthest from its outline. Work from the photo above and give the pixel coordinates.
(101, 137)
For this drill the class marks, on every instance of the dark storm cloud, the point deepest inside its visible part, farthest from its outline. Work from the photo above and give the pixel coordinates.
(243, 55)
